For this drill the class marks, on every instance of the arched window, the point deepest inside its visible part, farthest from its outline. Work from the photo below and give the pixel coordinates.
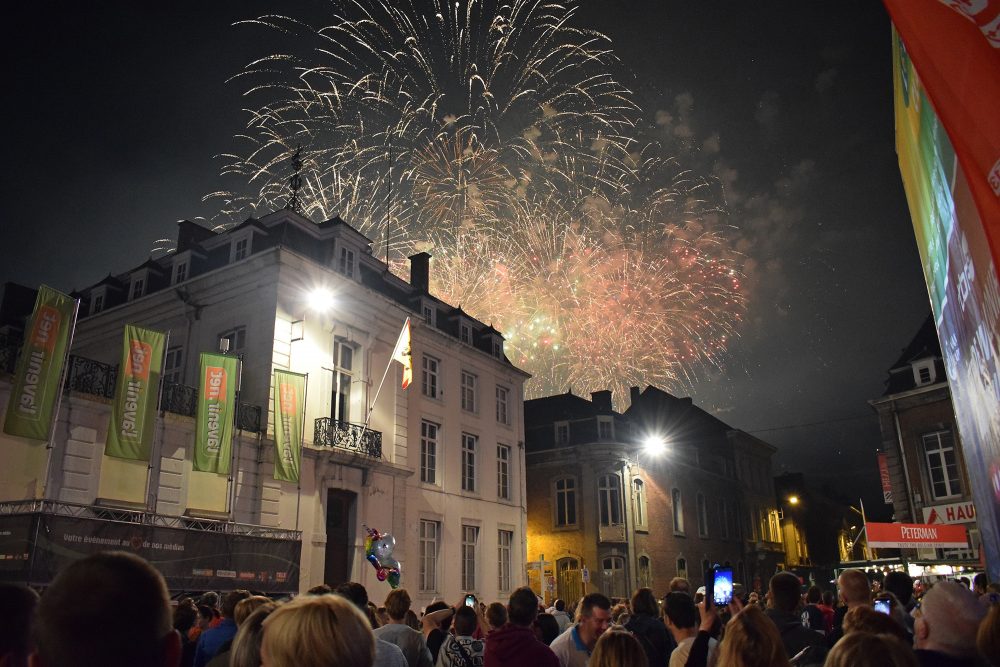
(613, 573)
(678, 507)
(566, 502)
(569, 585)
(645, 577)
(610, 499)
(639, 496)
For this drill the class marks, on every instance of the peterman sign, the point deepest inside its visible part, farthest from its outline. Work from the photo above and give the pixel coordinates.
(916, 536)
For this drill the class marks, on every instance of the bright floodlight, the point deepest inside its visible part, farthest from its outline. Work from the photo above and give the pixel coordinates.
(794, 500)
(654, 444)
(320, 300)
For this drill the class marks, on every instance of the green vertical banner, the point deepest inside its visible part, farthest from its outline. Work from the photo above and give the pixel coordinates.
(216, 409)
(289, 411)
(133, 410)
(39, 368)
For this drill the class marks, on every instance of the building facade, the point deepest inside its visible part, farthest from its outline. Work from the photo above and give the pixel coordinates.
(608, 513)
(928, 480)
(440, 464)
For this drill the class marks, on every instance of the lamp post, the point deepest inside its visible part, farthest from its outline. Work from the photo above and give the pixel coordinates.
(653, 445)
(868, 553)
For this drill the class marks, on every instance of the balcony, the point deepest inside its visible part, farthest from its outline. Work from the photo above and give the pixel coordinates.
(350, 437)
(613, 533)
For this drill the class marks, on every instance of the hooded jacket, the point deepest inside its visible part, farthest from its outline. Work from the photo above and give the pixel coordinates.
(653, 635)
(516, 645)
(794, 635)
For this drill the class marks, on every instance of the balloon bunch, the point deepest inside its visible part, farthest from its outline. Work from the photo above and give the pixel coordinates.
(378, 552)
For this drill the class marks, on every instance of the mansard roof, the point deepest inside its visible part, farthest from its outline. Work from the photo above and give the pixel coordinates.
(317, 242)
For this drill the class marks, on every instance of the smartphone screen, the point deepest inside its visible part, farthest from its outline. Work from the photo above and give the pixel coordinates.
(883, 606)
(722, 586)
(470, 600)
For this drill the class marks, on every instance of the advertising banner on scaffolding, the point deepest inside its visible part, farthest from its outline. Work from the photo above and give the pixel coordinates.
(133, 410)
(216, 411)
(35, 546)
(35, 391)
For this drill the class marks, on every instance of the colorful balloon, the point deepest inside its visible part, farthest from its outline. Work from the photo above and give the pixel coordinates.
(378, 552)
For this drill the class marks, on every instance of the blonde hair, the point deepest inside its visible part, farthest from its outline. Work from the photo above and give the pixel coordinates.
(245, 651)
(318, 631)
(752, 640)
(616, 648)
(865, 649)
(855, 587)
(988, 637)
(248, 606)
(396, 604)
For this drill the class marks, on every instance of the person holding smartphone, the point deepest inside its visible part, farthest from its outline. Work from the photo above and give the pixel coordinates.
(681, 618)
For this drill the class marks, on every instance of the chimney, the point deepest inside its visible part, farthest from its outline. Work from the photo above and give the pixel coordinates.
(633, 393)
(420, 271)
(601, 400)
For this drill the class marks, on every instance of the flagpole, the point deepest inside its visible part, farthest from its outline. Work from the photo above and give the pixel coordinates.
(55, 414)
(302, 428)
(378, 391)
(864, 523)
(151, 496)
(234, 442)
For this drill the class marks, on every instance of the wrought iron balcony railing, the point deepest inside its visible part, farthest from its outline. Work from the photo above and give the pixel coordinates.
(9, 347)
(248, 418)
(179, 399)
(343, 435)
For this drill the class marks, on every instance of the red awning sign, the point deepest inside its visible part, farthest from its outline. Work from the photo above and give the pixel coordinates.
(916, 535)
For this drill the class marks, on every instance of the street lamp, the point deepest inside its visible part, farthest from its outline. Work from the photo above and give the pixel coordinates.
(654, 445)
(793, 500)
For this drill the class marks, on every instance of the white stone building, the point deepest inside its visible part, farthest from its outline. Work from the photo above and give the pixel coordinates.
(442, 466)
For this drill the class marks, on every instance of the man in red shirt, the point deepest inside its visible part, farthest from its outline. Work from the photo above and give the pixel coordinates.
(515, 642)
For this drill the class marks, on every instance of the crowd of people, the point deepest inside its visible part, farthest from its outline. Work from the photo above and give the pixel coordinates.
(113, 609)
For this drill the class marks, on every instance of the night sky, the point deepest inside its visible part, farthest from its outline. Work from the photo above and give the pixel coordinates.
(117, 113)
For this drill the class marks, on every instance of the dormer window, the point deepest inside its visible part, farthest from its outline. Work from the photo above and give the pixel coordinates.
(240, 249)
(346, 262)
(605, 428)
(180, 272)
(924, 372)
(428, 311)
(465, 333)
(138, 288)
(498, 348)
(562, 433)
(97, 303)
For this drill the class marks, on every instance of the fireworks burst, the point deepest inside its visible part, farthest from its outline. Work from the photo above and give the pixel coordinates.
(511, 152)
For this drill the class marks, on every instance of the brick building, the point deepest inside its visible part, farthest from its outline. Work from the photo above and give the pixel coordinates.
(929, 480)
(601, 501)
